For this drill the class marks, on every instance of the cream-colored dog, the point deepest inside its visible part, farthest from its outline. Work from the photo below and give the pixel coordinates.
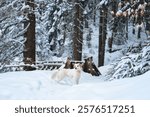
(74, 74)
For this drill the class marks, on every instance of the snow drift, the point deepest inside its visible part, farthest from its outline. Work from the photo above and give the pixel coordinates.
(39, 85)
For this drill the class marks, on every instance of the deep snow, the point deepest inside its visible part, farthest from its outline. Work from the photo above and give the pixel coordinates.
(39, 85)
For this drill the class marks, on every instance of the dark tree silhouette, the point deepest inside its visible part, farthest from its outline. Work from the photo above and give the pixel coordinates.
(78, 30)
(102, 35)
(29, 45)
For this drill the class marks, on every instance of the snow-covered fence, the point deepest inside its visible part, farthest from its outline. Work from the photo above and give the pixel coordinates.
(49, 65)
(38, 66)
(88, 66)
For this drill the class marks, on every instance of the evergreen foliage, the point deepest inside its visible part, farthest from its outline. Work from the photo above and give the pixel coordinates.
(133, 64)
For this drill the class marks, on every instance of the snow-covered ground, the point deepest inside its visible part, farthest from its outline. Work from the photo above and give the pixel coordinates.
(39, 85)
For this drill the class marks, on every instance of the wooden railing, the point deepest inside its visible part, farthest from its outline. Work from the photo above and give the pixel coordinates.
(38, 66)
(88, 66)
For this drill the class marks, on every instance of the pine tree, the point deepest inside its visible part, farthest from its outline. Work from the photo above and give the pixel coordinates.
(11, 41)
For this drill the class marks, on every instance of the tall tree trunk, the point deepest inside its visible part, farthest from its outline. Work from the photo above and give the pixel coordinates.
(102, 36)
(78, 31)
(29, 46)
(127, 18)
(94, 12)
(110, 41)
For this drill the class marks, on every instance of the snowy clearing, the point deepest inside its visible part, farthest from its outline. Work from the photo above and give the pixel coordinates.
(38, 85)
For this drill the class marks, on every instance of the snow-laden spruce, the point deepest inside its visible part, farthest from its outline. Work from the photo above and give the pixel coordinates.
(132, 64)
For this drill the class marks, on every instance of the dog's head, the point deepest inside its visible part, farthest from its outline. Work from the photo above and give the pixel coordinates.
(77, 66)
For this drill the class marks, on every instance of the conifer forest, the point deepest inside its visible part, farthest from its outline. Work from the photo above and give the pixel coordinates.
(34, 33)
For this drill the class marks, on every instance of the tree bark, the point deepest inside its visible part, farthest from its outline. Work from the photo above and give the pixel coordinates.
(78, 31)
(29, 45)
(110, 41)
(102, 36)
(94, 12)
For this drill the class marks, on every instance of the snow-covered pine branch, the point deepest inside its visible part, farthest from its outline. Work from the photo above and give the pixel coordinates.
(132, 65)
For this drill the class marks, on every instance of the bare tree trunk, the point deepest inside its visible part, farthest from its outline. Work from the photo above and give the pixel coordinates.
(78, 31)
(127, 25)
(94, 14)
(29, 47)
(102, 36)
(110, 41)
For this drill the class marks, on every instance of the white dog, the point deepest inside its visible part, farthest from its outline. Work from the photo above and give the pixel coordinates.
(74, 74)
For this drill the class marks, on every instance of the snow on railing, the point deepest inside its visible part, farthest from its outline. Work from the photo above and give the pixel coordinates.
(38, 66)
